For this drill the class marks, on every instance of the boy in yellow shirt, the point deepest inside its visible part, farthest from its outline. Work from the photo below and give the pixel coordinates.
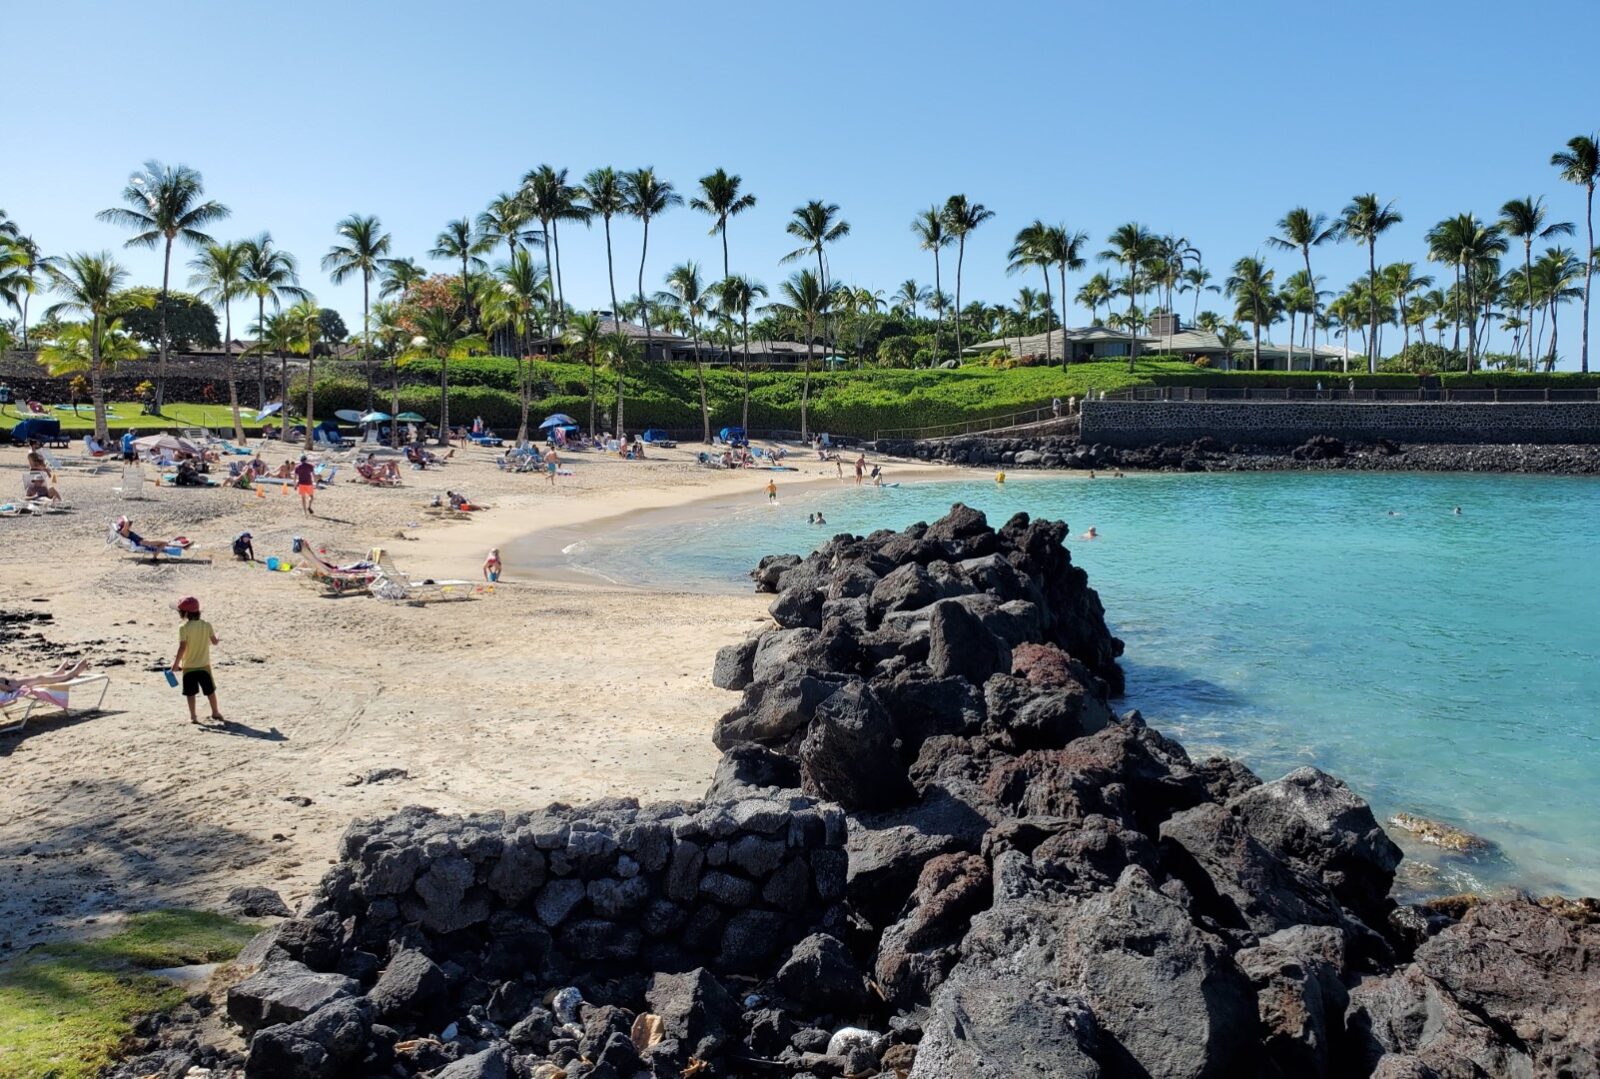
(195, 638)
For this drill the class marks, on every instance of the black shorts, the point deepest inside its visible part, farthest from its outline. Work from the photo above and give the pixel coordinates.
(197, 682)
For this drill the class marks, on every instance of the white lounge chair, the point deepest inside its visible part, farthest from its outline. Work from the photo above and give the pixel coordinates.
(16, 708)
(396, 586)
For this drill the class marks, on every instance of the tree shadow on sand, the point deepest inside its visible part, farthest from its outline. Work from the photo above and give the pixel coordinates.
(105, 845)
(43, 723)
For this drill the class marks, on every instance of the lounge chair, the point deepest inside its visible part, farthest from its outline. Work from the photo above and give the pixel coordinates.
(175, 550)
(325, 474)
(485, 438)
(17, 707)
(132, 481)
(337, 580)
(397, 586)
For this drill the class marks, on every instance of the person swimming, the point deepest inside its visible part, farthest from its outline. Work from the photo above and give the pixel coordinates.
(999, 477)
(1456, 512)
(1091, 534)
(820, 520)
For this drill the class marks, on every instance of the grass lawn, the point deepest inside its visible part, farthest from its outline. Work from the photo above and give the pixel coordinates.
(65, 1007)
(120, 415)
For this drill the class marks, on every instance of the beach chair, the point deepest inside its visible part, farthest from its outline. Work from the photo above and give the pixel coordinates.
(132, 481)
(325, 474)
(485, 438)
(396, 586)
(16, 708)
(172, 551)
(337, 580)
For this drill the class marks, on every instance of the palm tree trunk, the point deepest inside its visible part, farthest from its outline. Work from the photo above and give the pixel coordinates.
(644, 304)
(805, 391)
(1133, 329)
(166, 345)
(444, 401)
(1255, 347)
(283, 386)
(1372, 305)
(1588, 276)
(97, 391)
(555, 249)
(593, 400)
(1527, 284)
(311, 383)
(261, 353)
(938, 290)
(1555, 330)
(366, 331)
(723, 228)
(700, 374)
(394, 403)
(26, 296)
(622, 370)
(744, 415)
(611, 276)
(227, 360)
(466, 293)
(961, 254)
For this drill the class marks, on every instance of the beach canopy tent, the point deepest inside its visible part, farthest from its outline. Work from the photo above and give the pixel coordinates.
(164, 443)
(656, 435)
(42, 430)
(734, 436)
(558, 419)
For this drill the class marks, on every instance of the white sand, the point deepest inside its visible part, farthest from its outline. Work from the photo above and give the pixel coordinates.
(551, 689)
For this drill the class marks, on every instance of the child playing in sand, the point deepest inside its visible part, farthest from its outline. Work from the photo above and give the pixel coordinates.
(195, 638)
(491, 566)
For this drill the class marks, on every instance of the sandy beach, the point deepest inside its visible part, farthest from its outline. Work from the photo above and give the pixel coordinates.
(553, 687)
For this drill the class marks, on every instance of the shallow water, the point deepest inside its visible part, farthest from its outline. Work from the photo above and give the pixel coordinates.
(1445, 665)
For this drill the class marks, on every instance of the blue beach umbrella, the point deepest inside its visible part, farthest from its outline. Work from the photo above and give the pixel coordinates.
(559, 419)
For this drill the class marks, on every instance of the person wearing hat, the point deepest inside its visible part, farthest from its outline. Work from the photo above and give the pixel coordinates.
(195, 638)
(244, 547)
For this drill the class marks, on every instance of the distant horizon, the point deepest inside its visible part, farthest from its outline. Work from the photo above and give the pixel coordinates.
(418, 131)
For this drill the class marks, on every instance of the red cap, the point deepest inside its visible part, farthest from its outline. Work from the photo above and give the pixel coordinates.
(189, 605)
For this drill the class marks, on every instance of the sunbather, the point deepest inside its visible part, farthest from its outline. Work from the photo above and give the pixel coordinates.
(125, 530)
(10, 685)
(38, 485)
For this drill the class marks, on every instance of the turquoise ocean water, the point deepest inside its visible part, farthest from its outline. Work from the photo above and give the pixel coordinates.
(1443, 665)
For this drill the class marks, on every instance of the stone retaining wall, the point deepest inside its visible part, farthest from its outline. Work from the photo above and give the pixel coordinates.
(1265, 423)
(670, 886)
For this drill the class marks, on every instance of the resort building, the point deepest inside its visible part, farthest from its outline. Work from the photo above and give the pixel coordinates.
(1102, 343)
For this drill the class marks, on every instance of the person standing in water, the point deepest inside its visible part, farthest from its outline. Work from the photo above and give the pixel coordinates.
(195, 638)
(772, 490)
(491, 566)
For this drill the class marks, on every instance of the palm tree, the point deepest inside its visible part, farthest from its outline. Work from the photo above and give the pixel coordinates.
(1197, 279)
(1555, 280)
(1363, 221)
(960, 218)
(686, 293)
(735, 296)
(219, 274)
(647, 196)
(1580, 164)
(460, 240)
(606, 194)
(73, 349)
(1524, 219)
(1131, 245)
(1027, 251)
(365, 250)
(586, 332)
(163, 206)
(909, 295)
(1250, 285)
(21, 266)
(399, 275)
(442, 335)
(90, 286)
(1301, 230)
(269, 274)
(1095, 291)
(523, 286)
(928, 226)
(805, 300)
(1465, 243)
(1400, 280)
(1065, 249)
(506, 218)
(719, 196)
(303, 325)
(552, 200)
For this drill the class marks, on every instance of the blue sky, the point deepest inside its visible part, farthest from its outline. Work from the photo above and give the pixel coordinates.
(1204, 120)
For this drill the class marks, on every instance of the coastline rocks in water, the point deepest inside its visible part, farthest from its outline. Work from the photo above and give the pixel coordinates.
(1512, 989)
(931, 846)
(1439, 834)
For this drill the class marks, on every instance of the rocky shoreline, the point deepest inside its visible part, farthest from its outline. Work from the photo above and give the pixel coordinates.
(1319, 453)
(933, 849)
